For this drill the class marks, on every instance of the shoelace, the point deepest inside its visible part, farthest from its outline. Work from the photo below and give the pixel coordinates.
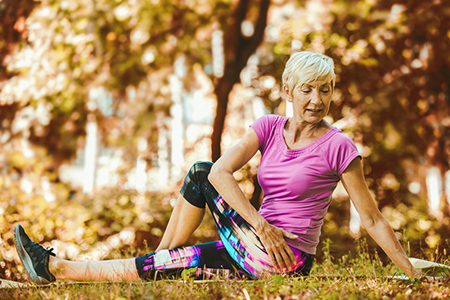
(50, 251)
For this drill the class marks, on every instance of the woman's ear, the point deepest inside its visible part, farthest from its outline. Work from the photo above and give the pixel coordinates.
(287, 94)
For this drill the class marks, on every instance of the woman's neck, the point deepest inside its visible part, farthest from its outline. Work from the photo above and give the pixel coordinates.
(299, 129)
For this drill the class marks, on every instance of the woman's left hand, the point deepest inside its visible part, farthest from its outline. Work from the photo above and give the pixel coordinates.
(273, 238)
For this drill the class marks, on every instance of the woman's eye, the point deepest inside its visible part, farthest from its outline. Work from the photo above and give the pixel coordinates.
(306, 91)
(326, 91)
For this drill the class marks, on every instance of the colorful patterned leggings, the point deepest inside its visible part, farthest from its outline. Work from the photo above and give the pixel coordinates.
(240, 253)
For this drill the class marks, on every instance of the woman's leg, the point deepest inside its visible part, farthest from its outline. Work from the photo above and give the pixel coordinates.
(184, 220)
(209, 259)
(238, 236)
(42, 267)
(206, 260)
(110, 270)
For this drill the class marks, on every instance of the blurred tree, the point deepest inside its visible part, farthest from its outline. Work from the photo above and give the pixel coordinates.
(76, 47)
(12, 28)
(127, 49)
(238, 49)
(12, 32)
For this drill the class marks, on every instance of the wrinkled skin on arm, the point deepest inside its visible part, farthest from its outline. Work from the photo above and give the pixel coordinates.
(371, 218)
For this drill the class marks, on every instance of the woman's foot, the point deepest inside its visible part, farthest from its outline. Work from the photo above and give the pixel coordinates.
(34, 257)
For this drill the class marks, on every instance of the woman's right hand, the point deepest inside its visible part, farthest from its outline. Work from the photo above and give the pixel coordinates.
(273, 239)
(221, 177)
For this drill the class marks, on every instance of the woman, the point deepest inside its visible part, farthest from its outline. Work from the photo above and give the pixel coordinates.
(303, 158)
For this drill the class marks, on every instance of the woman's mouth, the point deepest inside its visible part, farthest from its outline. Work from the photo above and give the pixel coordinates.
(314, 111)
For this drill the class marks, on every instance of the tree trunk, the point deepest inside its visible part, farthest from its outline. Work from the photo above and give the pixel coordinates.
(238, 53)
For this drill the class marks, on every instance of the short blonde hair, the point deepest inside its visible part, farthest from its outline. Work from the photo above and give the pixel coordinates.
(303, 67)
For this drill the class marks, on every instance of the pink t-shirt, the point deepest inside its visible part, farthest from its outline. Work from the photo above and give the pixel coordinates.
(298, 183)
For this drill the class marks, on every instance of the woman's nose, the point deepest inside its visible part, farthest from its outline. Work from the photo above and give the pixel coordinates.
(315, 98)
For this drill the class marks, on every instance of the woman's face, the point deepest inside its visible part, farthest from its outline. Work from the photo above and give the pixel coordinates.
(311, 101)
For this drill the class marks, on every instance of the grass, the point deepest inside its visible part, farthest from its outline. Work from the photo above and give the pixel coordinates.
(276, 287)
(359, 277)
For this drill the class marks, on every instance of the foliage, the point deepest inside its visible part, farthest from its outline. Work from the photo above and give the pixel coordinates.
(125, 48)
(13, 15)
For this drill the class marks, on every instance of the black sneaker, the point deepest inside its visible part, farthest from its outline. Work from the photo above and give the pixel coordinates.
(33, 257)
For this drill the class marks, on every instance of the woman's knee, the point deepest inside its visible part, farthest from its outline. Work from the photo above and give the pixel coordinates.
(200, 171)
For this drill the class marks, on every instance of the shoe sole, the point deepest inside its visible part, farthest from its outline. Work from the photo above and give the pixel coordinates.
(26, 260)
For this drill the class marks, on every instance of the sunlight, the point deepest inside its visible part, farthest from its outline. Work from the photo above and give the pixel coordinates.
(434, 191)
(447, 186)
(217, 53)
(163, 152)
(176, 112)
(355, 221)
(90, 157)
(141, 175)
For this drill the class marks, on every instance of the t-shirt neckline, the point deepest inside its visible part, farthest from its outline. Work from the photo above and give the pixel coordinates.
(305, 149)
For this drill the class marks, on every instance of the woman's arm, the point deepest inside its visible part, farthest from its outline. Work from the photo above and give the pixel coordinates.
(221, 177)
(374, 222)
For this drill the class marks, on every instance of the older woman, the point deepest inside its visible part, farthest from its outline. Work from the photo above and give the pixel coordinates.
(302, 160)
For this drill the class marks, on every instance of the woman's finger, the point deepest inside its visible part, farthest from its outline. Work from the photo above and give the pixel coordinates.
(272, 258)
(280, 254)
(291, 256)
(279, 262)
(287, 263)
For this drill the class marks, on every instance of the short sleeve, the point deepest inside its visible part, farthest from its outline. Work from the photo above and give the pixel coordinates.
(263, 127)
(342, 152)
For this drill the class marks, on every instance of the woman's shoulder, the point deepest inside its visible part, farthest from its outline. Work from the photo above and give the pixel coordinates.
(266, 127)
(338, 141)
(339, 136)
(267, 121)
(272, 117)
(340, 151)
